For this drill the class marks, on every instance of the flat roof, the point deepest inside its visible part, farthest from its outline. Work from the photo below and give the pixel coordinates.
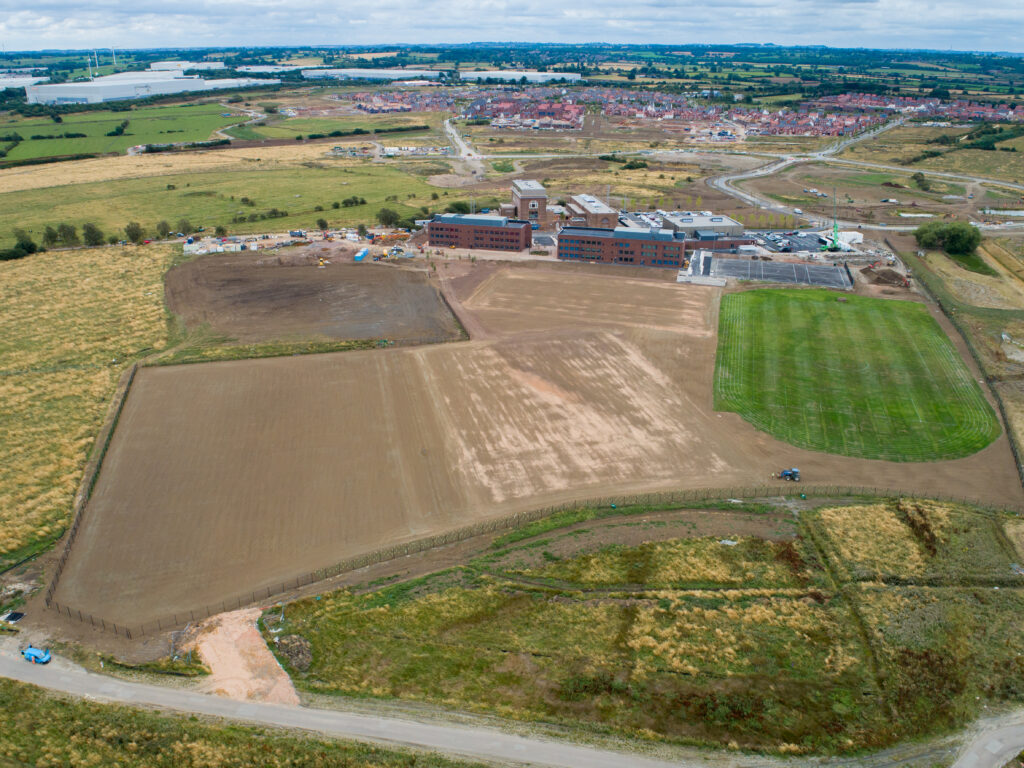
(592, 204)
(529, 185)
(702, 220)
(623, 233)
(478, 220)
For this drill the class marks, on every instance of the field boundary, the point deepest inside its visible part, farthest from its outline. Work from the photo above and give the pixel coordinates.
(92, 471)
(509, 522)
(951, 315)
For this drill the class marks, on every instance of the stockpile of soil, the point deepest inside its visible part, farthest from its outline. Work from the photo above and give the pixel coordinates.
(884, 276)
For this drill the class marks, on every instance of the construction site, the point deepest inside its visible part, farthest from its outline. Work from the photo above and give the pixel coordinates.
(578, 381)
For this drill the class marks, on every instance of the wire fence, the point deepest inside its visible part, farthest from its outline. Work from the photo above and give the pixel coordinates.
(89, 481)
(628, 504)
(951, 315)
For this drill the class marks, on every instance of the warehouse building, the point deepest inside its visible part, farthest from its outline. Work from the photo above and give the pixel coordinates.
(372, 74)
(181, 66)
(516, 76)
(588, 211)
(131, 85)
(488, 233)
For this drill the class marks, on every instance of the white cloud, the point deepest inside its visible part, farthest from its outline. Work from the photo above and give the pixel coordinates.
(940, 24)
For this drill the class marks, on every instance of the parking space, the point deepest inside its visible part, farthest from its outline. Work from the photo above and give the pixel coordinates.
(781, 272)
(787, 242)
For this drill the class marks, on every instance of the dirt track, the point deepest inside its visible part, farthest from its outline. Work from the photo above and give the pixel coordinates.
(228, 477)
(280, 296)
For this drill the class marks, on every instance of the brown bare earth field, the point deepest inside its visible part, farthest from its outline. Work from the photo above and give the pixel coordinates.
(269, 296)
(579, 382)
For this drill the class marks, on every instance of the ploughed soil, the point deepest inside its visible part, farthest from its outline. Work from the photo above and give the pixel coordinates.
(227, 479)
(263, 296)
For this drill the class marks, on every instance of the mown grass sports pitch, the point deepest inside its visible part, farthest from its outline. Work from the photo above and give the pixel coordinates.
(862, 377)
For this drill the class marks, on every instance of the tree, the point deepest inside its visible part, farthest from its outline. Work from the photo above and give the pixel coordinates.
(221, 231)
(387, 217)
(112, 240)
(92, 234)
(67, 234)
(134, 232)
(335, 205)
(955, 237)
(50, 236)
(163, 229)
(459, 206)
(185, 226)
(321, 223)
(23, 246)
(361, 230)
(921, 181)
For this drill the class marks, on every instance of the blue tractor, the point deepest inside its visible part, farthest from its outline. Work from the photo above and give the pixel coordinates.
(36, 655)
(790, 474)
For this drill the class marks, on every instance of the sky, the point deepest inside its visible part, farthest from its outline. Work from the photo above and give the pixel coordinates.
(995, 25)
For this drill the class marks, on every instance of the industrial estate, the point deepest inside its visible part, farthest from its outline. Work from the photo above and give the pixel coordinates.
(624, 405)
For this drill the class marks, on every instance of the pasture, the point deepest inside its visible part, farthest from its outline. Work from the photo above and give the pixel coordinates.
(866, 377)
(146, 125)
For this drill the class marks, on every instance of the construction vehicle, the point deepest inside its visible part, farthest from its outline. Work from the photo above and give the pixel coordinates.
(36, 655)
(790, 474)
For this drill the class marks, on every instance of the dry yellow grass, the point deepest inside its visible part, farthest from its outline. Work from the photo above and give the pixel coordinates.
(138, 166)
(873, 538)
(691, 639)
(70, 322)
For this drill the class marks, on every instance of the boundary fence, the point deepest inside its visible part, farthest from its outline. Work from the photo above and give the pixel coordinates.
(990, 381)
(628, 503)
(92, 472)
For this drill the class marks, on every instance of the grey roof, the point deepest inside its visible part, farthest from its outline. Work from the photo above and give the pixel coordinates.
(592, 205)
(529, 185)
(478, 220)
(623, 233)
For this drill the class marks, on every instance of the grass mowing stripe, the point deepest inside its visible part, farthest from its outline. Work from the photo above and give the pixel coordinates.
(866, 377)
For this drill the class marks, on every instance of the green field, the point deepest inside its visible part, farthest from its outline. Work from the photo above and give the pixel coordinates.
(289, 128)
(209, 199)
(147, 125)
(866, 377)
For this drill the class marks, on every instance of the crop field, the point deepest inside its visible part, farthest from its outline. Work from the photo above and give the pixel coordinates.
(257, 297)
(146, 125)
(69, 324)
(867, 377)
(215, 198)
(707, 627)
(579, 382)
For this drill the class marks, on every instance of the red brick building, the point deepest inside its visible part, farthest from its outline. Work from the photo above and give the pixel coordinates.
(488, 233)
(636, 247)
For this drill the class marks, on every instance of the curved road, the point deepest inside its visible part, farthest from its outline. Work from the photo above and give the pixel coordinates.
(725, 184)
